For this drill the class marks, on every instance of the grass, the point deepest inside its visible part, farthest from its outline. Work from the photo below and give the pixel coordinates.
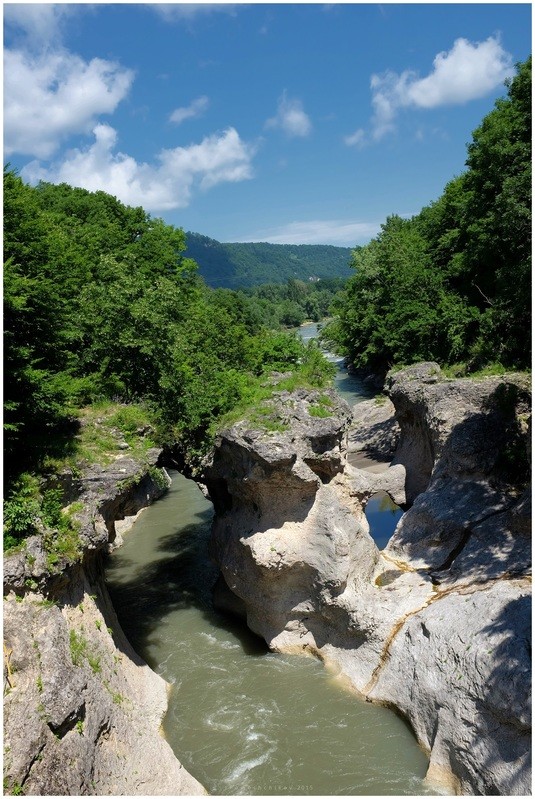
(47, 603)
(380, 399)
(117, 698)
(94, 663)
(62, 544)
(464, 370)
(104, 426)
(253, 408)
(320, 411)
(322, 407)
(256, 407)
(78, 647)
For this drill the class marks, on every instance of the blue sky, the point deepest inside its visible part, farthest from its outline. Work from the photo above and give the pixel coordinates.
(290, 123)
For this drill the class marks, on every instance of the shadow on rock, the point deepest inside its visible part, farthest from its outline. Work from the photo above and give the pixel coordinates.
(181, 577)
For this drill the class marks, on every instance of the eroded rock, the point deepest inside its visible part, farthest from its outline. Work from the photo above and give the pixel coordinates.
(82, 711)
(435, 623)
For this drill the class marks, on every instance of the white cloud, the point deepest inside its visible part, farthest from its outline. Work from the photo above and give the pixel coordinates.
(344, 233)
(356, 139)
(217, 159)
(290, 117)
(195, 109)
(51, 96)
(467, 72)
(170, 12)
(41, 23)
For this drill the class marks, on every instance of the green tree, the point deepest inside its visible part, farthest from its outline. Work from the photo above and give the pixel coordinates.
(36, 332)
(453, 283)
(498, 220)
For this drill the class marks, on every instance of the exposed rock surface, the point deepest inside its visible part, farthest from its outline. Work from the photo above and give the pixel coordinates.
(82, 712)
(374, 434)
(436, 625)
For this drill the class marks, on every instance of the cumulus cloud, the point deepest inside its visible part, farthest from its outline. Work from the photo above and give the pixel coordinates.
(319, 231)
(290, 117)
(467, 72)
(50, 96)
(169, 184)
(195, 109)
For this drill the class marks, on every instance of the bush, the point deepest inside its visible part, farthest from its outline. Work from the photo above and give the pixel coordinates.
(20, 520)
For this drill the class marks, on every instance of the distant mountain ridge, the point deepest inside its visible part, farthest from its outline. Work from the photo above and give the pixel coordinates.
(239, 265)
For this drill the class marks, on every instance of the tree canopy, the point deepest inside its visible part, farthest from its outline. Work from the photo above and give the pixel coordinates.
(100, 302)
(453, 283)
(242, 265)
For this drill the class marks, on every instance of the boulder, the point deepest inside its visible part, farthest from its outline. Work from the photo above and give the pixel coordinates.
(469, 693)
(81, 710)
(374, 432)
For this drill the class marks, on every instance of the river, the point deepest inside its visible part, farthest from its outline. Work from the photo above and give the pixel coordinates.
(243, 720)
(348, 385)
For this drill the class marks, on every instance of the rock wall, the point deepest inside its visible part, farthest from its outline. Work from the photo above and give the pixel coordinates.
(436, 625)
(82, 711)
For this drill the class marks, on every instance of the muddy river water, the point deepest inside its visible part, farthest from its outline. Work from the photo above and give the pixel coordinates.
(243, 720)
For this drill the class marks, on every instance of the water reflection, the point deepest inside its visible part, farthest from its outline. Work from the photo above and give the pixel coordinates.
(383, 516)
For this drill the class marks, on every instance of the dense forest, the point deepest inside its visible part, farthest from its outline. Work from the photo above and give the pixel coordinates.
(100, 305)
(251, 264)
(292, 303)
(453, 284)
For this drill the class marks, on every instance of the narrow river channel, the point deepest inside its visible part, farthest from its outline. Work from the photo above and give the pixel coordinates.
(243, 720)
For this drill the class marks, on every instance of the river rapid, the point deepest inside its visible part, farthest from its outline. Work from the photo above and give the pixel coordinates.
(241, 719)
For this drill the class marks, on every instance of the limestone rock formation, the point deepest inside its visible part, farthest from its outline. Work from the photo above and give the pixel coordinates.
(436, 624)
(374, 434)
(82, 711)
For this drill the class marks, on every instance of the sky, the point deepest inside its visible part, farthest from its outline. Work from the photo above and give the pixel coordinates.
(300, 123)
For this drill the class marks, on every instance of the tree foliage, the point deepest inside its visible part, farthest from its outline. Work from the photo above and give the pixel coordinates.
(242, 265)
(100, 303)
(291, 303)
(453, 283)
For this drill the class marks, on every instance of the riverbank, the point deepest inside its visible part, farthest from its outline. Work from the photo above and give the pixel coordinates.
(448, 597)
(82, 710)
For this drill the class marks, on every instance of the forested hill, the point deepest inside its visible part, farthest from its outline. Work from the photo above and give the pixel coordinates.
(252, 264)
